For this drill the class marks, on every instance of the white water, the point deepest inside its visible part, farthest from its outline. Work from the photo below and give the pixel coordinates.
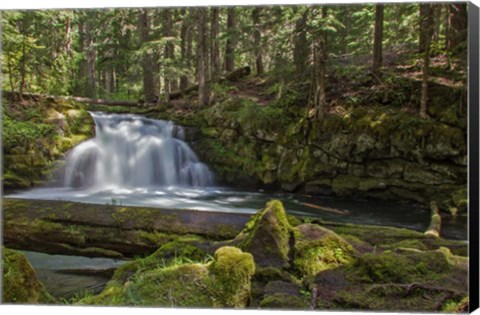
(131, 152)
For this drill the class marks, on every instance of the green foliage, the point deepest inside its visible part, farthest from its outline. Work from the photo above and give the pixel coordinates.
(23, 133)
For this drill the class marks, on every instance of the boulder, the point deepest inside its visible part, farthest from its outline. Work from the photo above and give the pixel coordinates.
(267, 237)
(318, 249)
(20, 283)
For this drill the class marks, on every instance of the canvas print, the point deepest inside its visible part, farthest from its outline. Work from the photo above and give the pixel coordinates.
(302, 157)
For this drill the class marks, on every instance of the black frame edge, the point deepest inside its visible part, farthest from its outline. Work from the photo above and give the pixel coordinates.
(473, 189)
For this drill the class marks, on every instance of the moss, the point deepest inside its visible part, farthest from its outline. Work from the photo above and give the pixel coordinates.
(231, 272)
(20, 283)
(223, 283)
(413, 243)
(318, 249)
(267, 235)
(179, 250)
(405, 267)
(284, 302)
(455, 306)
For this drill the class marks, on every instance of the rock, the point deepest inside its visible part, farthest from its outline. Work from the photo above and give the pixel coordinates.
(364, 143)
(344, 185)
(356, 169)
(416, 174)
(231, 272)
(20, 283)
(319, 187)
(318, 249)
(228, 136)
(223, 283)
(267, 236)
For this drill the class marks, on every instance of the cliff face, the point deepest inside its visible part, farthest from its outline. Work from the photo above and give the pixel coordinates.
(370, 151)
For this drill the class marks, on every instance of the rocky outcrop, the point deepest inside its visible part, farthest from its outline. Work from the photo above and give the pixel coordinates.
(377, 153)
(37, 134)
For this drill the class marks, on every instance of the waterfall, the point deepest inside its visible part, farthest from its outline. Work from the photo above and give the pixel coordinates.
(133, 151)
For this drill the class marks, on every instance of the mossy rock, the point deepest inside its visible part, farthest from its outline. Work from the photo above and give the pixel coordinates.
(267, 236)
(284, 302)
(180, 250)
(225, 282)
(231, 272)
(401, 267)
(318, 249)
(20, 283)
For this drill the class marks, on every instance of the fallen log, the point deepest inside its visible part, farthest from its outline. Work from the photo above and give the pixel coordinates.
(92, 230)
(233, 76)
(332, 210)
(435, 221)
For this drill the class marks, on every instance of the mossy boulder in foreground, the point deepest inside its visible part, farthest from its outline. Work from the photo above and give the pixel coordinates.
(225, 282)
(20, 283)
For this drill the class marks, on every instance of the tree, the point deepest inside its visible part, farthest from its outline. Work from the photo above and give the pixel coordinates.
(168, 52)
(147, 64)
(214, 43)
(426, 26)
(319, 43)
(185, 48)
(458, 24)
(377, 40)
(257, 40)
(202, 57)
(231, 40)
(301, 49)
(91, 88)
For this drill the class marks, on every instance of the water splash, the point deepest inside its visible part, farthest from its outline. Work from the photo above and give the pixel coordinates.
(133, 151)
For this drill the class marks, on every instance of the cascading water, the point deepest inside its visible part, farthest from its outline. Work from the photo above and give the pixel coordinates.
(132, 151)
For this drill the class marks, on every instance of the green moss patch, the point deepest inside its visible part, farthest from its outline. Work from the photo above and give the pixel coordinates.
(318, 249)
(20, 283)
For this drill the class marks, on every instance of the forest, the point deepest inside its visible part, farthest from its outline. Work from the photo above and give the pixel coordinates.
(140, 143)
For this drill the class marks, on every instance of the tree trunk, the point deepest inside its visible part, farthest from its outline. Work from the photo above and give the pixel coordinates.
(91, 88)
(257, 40)
(215, 44)
(426, 27)
(320, 61)
(231, 40)
(458, 25)
(168, 53)
(437, 17)
(301, 50)
(202, 57)
(68, 42)
(377, 40)
(184, 33)
(147, 64)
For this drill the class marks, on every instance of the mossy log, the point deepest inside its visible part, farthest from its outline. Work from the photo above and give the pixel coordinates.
(93, 230)
(435, 221)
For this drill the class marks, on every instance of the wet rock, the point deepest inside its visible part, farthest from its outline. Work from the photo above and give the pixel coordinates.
(267, 236)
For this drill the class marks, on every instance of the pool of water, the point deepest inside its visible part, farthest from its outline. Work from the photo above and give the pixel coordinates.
(66, 276)
(385, 213)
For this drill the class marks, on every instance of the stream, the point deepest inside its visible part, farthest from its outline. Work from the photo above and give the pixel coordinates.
(138, 161)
